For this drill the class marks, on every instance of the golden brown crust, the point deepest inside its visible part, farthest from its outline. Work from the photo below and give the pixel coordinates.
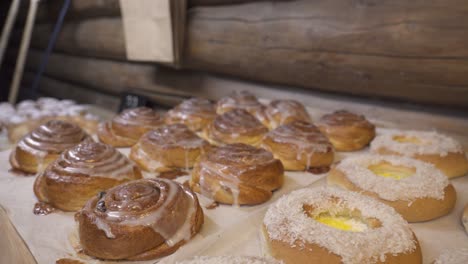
(419, 210)
(465, 218)
(453, 164)
(83, 171)
(237, 174)
(235, 126)
(312, 253)
(125, 129)
(281, 112)
(44, 144)
(299, 146)
(144, 213)
(168, 147)
(195, 113)
(347, 131)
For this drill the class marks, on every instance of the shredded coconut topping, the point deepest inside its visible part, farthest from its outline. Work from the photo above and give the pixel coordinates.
(230, 260)
(427, 181)
(287, 221)
(457, 256)
(428, 142)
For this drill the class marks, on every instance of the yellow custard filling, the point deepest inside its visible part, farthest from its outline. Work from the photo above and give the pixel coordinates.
(385, 169)
(405, 139)
(342, 223)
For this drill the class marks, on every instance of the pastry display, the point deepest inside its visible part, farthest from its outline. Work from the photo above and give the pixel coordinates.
(465, 218)
(442, 151)
(168, 147)
(347, 131)
(230, 260)
(44, 144)
(195, 113)
(28, 115)
(454, 256)
(299, 146)
(126, 128)
(336, 226)
(237, 174)
(81, 173)
(235, 126)
(415, 189)
(280, 112)
(139, 220)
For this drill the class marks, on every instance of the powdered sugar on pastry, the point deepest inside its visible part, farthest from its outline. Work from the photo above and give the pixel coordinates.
(458, 256)
(230, 260)
(426, 181)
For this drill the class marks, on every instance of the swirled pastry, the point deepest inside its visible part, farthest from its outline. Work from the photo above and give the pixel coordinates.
(195, 113)
(242, 100)
(299, 146)
(44, 144)
(444, 152)
(280, 112)
(230, 260)
(335, 226)
(415, 189)
(347, 131)
(235, 126)
(237, 174)
(81, 173)
(168, 147)
(139, 220)
(125, 129)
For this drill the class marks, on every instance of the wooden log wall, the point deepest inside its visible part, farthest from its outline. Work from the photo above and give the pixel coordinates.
(413, 51)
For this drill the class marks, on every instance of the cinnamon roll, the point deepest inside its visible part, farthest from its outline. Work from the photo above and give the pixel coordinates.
(82, 172)
(237, 174)
(235, 126)
(44, 144)
(444, 152)
(280, 112)
(347, 131)
(299, 146)
(242, 100)
(168, 147)
(139, 220)
(125, 129)
(195, 113)
(415, 189)
(318, 225)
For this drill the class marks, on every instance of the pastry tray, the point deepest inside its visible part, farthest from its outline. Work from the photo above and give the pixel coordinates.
(227, 229)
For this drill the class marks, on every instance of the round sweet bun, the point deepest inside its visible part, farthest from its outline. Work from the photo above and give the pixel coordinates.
(453, 256)
(242, 100)
(167, 148)
(347, 131)
(235, 126)
(230, 260)
(44, 144)
(280, 112)
(444, 152)
(415, 189)
(327, 225)
(237, 174)
(465, 218)
(126, 128)
(195, 113)
(300, 146)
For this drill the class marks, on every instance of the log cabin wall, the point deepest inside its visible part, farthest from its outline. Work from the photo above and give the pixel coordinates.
(415, 51)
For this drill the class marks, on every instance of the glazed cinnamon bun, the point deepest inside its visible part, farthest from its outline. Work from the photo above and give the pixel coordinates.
(318, 225)
(299, 146)
(280, 112)
(125, 129)
(82, 172)
(347, 131)
(242, 100)
(444, 152)
(43, 145)
(235, 126)
(195, 113)
(139, 220)
(168, 147)
(237, 174)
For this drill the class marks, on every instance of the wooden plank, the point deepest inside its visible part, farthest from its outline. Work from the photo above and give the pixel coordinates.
(12, 247)
(409, 50)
